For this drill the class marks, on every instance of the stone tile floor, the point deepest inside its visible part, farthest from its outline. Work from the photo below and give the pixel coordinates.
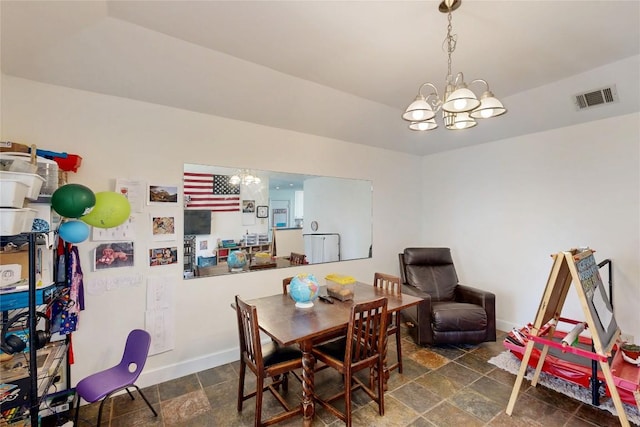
(440, 386)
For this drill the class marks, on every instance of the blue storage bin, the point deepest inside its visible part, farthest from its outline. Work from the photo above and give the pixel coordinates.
(207, 261)
(15, 300)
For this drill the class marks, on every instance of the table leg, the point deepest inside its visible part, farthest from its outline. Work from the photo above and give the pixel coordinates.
(308, 367)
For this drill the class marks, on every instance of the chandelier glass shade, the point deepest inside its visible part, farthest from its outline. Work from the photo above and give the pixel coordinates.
(244, 177)
(459, 105)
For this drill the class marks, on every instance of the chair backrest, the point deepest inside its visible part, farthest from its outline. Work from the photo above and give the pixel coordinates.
(387, 282)
(285, 285)
(136, 350)
(430, 270)
(297, 259)
(249, 334)
(367, 330)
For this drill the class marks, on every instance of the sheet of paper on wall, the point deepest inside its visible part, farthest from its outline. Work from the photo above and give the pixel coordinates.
(98, 285)
(159, 293)
(248, 218)
(134, 191)
(125, 231)
(159, 324)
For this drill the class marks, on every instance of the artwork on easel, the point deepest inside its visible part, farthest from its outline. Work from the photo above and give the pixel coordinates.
(603, 310)
(575, 266)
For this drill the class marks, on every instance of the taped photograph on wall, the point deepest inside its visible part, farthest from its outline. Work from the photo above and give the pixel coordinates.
(163, 256)
(248, 206)
(163, 228)
(113, 255)
(162, 194)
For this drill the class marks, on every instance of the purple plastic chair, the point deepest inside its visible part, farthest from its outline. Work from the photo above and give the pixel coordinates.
(103, 384)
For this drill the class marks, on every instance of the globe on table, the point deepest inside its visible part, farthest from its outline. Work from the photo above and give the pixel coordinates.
(304, 289)
(237, 260)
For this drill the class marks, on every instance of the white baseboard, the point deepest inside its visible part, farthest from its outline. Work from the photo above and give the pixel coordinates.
(170, 372)
(503, 325)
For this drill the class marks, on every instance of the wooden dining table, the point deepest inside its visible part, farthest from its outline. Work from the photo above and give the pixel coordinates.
(286, 324)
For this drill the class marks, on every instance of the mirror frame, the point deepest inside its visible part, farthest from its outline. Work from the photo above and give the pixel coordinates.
(342, 211)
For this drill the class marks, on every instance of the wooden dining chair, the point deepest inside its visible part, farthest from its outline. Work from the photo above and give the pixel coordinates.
(275, 364)
(361, 348)
(392, 284)
(297, 259)
(285, 285)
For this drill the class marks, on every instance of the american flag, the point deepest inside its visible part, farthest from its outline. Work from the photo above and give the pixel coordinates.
(208, 191)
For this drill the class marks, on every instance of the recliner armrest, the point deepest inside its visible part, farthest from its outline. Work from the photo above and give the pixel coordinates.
(423, 313)
(465, 293)
(485, 299)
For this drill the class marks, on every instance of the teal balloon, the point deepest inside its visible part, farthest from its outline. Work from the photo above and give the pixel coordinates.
(73, 231)
(111, 210)
(73, 200)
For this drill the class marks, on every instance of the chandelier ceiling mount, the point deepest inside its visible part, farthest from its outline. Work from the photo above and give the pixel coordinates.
(459, 104)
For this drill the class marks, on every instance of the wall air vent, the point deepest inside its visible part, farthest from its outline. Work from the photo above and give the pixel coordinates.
(593, 98)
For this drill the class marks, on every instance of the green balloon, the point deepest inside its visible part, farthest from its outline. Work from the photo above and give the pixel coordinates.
(111, 210)
(73, 200)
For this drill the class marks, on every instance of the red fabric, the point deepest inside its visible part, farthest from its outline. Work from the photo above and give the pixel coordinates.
(70, 357)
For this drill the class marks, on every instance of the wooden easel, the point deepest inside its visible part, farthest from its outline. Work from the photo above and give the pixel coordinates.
(577, 267)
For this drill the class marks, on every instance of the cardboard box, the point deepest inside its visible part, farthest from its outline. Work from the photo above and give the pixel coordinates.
(43, 259)
(21, 258)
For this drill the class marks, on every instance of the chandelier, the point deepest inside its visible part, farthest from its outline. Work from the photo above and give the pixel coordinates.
(244, 177)
(460, 106)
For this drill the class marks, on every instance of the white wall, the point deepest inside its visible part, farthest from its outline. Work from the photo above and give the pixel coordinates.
(336, 205)
(506, 206)
(502, 207)
(120, 138)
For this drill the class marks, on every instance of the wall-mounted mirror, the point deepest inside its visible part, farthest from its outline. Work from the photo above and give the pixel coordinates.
(242, 220)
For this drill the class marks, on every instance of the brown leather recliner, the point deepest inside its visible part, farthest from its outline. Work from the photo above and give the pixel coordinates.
(450, 313)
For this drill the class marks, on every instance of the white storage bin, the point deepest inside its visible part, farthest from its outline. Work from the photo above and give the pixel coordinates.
(12, 193)
(16, 221)
(14, 164)
(33, 180)
(46, 168)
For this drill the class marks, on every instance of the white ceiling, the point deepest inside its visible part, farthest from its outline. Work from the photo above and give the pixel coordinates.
(341, 69)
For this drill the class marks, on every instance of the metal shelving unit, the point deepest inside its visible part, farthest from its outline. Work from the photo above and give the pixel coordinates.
(49, 358)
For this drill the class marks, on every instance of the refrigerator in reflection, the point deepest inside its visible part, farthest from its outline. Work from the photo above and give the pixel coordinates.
(322, 247)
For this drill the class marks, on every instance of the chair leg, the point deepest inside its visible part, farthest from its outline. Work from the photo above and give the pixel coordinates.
(75, 420)
(241, 385)
(259, 392)
(155, 414)
(347, 399)
(380, 389)
(276, 382)
(100, 410)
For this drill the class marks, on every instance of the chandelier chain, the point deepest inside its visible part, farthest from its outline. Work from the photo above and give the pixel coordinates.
(450, 40)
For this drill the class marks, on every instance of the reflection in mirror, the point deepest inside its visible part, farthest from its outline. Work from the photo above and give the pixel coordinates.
(240, 220)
